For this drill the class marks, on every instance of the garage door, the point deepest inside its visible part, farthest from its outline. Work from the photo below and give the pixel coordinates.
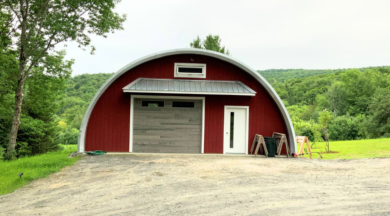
(167, 126)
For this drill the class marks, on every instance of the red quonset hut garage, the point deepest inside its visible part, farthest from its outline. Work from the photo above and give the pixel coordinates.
(183, 101)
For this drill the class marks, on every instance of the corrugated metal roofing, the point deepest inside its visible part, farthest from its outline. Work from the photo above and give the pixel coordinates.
(184, 86)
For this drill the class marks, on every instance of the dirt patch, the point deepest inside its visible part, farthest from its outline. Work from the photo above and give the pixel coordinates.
(207, 184)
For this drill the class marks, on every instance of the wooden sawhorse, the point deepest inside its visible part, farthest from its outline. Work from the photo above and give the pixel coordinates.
(259, 140)
(303, 140)
(282, 140)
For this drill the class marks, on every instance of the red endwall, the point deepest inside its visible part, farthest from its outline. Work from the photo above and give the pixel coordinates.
(109, 124)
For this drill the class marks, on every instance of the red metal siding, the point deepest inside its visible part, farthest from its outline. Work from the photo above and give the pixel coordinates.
(109, 123)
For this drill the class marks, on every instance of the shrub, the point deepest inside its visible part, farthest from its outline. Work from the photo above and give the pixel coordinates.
(68, 136)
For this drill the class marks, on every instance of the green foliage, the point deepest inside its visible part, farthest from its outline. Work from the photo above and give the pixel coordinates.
(42, 25)
(212, 42)
(78, 94)
(29, 33)
(33, 168)
(9, 155)
(2, 151)
(303, 91)
(324, 118)
(42, 94)
(356, 99)
(281, 75)
(197, 43)
(380, 111)
(344, 128)
(38, 135)
(336, 98)
(68, 136)
(52, 111)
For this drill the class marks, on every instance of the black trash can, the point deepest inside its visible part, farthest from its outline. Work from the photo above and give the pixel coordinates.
(270, 142)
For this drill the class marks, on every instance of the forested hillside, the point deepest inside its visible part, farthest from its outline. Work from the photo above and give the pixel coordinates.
(79, 92)
(282, 75)
(357, 101)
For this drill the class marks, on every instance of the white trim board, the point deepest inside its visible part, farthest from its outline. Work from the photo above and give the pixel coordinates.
(203, 99)
(247, 126)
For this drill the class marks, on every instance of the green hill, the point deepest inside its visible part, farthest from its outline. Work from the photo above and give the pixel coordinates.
(281, 75)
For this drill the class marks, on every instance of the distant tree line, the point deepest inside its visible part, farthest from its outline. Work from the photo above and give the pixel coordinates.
(282, 75)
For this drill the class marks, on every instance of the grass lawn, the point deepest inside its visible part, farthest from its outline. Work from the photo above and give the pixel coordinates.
(33, 168)
(355, 149)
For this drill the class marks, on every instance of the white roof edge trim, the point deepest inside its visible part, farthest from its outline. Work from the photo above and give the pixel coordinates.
(226, 58)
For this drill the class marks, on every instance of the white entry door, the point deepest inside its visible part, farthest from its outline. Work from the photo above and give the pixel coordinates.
(236, 130)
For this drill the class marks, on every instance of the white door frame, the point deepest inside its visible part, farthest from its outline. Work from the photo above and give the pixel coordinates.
(247, 125)
(163, 97)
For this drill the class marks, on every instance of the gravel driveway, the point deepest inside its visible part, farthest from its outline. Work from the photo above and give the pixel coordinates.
(207, 185)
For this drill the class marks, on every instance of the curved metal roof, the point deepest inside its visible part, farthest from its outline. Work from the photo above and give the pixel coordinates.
(255, 74)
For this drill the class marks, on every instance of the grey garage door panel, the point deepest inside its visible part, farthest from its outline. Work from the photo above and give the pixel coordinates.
(168, 122)
(169, 143)
(170, 149)
(167, 129)
(167, 133)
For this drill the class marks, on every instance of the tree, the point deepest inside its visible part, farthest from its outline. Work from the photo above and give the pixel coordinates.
(360, 87)
(324, 119)
(212, 42)
(380, 110)
(37, 26)
(337, 96)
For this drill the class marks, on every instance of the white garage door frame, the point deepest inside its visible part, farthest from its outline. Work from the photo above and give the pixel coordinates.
(203, 99)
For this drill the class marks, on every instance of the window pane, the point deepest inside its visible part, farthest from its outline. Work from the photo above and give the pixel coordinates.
(190, 70)
(153, 103)
(231, 129)
(183, 104)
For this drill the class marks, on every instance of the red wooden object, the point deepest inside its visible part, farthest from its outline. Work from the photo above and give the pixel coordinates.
(109, 124)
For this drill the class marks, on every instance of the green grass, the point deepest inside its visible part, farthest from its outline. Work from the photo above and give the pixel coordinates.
(33, 168)
(355, 149)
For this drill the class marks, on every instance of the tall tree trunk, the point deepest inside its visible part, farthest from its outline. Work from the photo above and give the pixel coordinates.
(11, 154)
(327, 147)
(16, 120)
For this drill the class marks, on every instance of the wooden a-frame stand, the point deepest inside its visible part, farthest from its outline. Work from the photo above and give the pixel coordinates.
(302, 140)
(282, 140)
(259, 140)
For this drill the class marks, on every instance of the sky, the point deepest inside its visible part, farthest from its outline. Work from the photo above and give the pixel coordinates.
(264, 34)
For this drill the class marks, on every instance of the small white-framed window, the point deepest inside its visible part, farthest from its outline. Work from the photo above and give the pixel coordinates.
(190, 70)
